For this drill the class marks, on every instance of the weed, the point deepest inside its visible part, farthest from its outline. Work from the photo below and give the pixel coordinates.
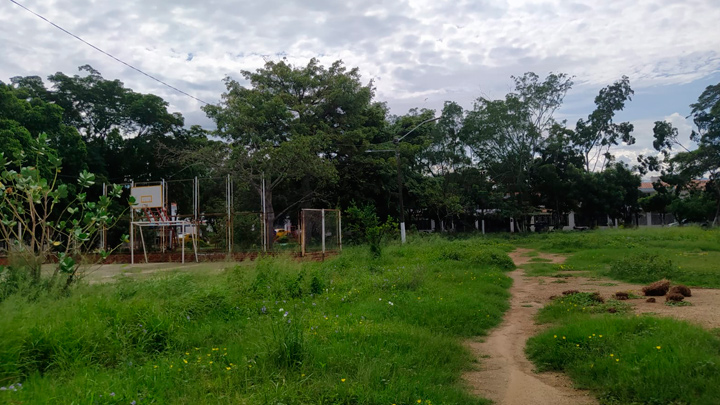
(578, 303)
(643, 268)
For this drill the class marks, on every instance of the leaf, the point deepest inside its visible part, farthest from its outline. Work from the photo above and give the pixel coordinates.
(86, 179)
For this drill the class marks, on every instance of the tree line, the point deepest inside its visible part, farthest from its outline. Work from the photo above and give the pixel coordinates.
(316, 136)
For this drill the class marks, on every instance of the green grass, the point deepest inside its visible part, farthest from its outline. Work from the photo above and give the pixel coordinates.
(357, 331)
(633, 360)
(579, 304)
(627, 359)
(693, 252)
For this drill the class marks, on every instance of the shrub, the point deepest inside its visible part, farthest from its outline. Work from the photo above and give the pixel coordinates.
(491, 257)
(316, 285)
(643, 268)
(657, 289)
(681, 289)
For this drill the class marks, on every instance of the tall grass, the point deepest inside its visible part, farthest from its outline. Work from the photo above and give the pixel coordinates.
(634, 360)
(350, 330)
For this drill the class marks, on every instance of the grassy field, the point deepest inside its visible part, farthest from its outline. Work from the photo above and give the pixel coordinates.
(686, 255)
(350, 330)
(625, 358)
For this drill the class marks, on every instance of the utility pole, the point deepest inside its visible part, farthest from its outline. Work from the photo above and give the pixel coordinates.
(401, 206)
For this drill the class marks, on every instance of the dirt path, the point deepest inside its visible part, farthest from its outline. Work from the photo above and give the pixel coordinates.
(506, 375)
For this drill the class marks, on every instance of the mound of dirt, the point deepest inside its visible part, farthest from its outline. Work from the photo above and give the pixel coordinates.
(657, 289)
(570, 292)
(650, 300)
(681, 289)
(674, 297)
(621, 296)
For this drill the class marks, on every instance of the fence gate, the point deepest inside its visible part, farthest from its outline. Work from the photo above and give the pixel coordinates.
(320, 231)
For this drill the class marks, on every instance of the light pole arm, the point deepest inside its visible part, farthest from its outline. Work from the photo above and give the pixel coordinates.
(416, 127)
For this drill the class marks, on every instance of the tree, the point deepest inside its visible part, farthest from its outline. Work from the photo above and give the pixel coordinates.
(659, 201)
(681, 168)
(595, 136)
(612, 192)
(554, 173)
(36, 223)
(24, 117)
(505, 135)
(288, 125)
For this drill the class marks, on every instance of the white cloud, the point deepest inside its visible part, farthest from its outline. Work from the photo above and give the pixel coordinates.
(415, 49)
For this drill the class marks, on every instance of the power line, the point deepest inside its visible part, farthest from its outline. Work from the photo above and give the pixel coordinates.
(101, 51)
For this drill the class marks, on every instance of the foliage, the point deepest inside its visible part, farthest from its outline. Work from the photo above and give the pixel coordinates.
(390, 335)
(505, 135)
(643, 268)
(38, 222)
(680, 169)
(594, 137)
(284, 126)
(695, 206)
(365, 227)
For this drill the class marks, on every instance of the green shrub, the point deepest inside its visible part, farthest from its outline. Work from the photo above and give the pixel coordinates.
(643, 268)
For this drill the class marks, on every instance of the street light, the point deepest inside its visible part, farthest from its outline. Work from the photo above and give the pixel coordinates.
(396, 141)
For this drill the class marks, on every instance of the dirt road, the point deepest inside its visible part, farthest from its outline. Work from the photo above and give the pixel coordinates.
(506, 376)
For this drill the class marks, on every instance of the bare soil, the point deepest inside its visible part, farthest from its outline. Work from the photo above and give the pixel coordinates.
(506, 376)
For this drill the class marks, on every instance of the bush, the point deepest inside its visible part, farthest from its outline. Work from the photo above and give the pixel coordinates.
(643, 268)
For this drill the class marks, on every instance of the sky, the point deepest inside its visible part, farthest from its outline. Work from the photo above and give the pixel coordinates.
(419, 53)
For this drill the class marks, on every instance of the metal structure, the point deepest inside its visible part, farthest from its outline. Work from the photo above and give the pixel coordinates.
(151, 203)
(320, 231)
(169, 214)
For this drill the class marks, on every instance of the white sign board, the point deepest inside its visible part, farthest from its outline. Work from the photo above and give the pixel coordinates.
(147, 196)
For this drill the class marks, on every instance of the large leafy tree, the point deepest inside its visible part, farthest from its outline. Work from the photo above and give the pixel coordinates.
(293, 123)
(681, 168)
(595, 136)
(23, 117)
(505, 135)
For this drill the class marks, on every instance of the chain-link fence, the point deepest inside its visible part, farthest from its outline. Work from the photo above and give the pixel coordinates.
(321, 231)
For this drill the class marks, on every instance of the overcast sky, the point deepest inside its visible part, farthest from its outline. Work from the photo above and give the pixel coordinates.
(420, 53)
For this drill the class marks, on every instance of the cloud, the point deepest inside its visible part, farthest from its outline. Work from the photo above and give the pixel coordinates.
(415, 49)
